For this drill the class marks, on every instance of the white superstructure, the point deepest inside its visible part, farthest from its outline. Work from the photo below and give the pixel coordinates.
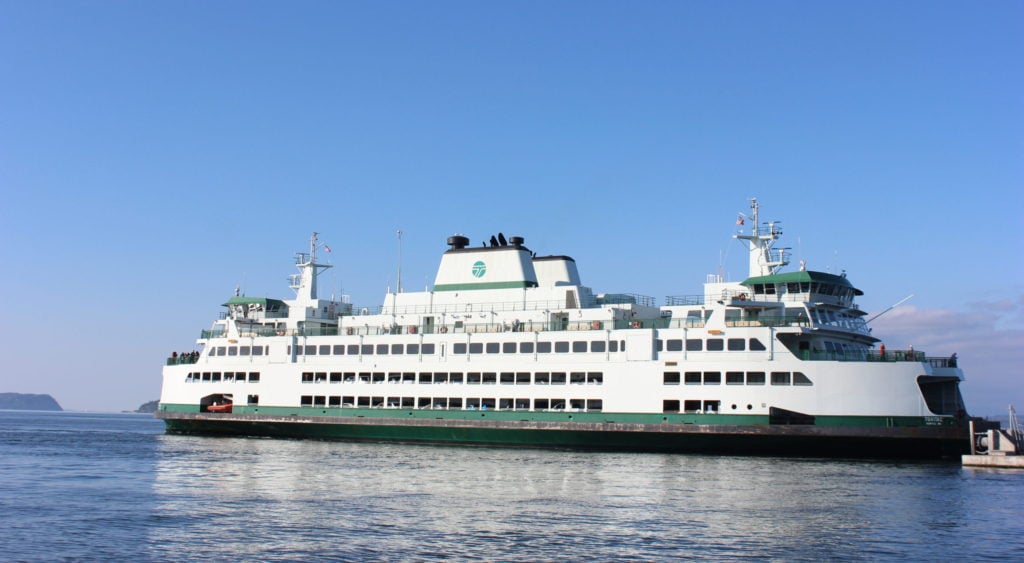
(504, 329)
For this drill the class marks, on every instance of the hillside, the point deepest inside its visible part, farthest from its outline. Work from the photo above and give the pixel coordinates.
(28, 402)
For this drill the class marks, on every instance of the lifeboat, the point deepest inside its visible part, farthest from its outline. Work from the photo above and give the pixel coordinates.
(223, 407)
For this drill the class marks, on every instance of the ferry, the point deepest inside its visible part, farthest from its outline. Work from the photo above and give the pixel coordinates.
(509, 348)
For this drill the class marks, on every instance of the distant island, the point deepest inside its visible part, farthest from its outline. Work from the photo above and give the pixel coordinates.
(149, 407)
(28, 402)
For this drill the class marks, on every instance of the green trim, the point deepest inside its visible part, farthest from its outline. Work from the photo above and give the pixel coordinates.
(745, 439)
(484, 285)
(725, 419)
(267, 303)
(802, 276)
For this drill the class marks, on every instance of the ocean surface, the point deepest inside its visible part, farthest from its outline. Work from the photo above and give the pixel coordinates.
(109, 487)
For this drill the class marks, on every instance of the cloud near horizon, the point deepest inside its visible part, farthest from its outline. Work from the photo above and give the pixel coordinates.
(988, 339)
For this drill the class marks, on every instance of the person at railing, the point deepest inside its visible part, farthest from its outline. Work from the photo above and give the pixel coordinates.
(952, 360)
(881, 352)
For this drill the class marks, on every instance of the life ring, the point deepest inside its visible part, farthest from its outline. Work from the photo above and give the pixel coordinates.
(349, 331)
(596, 325)
(444, 329)
(412, 329)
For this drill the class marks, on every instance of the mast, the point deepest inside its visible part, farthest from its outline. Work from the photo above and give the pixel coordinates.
(304, 283)
(764, 260)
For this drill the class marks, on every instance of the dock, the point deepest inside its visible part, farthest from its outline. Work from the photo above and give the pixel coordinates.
(996, 447)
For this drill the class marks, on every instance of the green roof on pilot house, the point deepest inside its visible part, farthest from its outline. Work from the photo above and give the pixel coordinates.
(803, 276)
(268, 304)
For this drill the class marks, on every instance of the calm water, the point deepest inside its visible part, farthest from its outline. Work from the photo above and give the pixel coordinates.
(114, 488)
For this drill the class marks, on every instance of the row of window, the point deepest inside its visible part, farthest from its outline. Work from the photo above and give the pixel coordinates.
(239, 350)
(735, 378)
(457, 377)
(711, 345)
(560, 347)
(453, 403)
(211, 376)
(362, 349)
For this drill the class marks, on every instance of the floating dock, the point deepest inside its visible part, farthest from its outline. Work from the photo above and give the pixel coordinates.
(996, 447)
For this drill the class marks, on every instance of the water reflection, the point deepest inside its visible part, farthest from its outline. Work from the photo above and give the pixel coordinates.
(278, 499)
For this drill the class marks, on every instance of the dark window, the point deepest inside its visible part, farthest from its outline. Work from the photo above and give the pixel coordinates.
(335, 377)
(715, 344)
(455, 377)
(243, 350)
(493, 347)
(490, 378)
(543, 347)
(366, 349)
(307, 377)
(542, 378)
(691, 406)
(712, 378)
(613, 346)
(310, 350)
(257, 350)
(339, 349)
(526, 347)
(734, 378)
(508, 348)
(473, 378)
(476, 348)
(459, 348)
(780, 378)
(325, 349)
(522, 378)
(426, 377)
(674, 345)
(693, 378)
(737, 344)
(578, 377)
(254, 376)
(670, 405)
(508, 378)
(352, 349)
(594, 405)
(800, 379)
(579, 346)
(428, 349)
(232, 350)
(755, 378)
(561, 347)
(597, 346)
(412, 349)
(558, 378)
(694, 345)
(382, 349)
(671, 378)
(756, 345)
(397, 348)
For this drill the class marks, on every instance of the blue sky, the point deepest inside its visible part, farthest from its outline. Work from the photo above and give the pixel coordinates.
(155, 155)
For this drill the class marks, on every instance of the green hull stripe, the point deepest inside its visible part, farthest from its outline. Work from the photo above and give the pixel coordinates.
(483, 285)
(565, 416)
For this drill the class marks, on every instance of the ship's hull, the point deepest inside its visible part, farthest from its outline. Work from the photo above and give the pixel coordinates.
(826, 438)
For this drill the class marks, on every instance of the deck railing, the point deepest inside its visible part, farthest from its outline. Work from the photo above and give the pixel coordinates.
(879, 356)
